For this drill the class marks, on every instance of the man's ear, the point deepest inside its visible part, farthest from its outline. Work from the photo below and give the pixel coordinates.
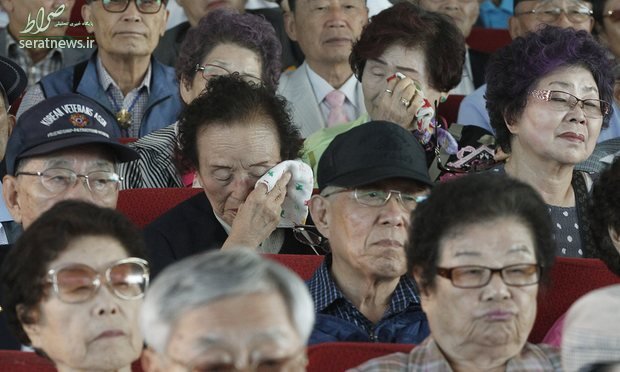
(30, 320)
(514, 27)
(86, 16)
(150, 361)
(289, 25)
(11, 124)
(319, 210)
(10, 191)
(615, 238)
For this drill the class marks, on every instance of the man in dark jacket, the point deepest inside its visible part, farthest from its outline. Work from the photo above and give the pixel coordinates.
(370, 180)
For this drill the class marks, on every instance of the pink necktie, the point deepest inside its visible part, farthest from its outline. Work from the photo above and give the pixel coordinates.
(337, 115)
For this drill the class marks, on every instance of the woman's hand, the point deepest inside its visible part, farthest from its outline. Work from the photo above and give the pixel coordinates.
(399, 102)
(258, 216)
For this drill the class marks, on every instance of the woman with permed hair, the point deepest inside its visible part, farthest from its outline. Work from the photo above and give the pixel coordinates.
(548, 96)
(223, 42)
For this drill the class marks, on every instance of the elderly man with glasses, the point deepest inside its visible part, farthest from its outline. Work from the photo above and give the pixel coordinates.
(530, 16)
(62, 148)
(370, 180)
(226, 311)
(121, 75)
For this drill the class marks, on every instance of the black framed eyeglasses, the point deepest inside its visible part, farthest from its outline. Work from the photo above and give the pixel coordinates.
(73, 283)
(473, 276)
(59, 180)
(310, 236)
(549, 12)
(144, 6)
(210, 70)
(378, 198)
(564, 101)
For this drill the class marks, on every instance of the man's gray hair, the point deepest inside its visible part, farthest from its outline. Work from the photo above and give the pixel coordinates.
(202, 279)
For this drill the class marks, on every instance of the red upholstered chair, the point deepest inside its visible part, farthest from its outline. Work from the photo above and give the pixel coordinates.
(126, 140)
(142, 206)
(339, 356)
(450, 109)
(488, 39)
(21, 361)
(303, 265)
(571, 278)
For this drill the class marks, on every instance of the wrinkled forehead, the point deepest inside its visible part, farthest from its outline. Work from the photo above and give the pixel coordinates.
(531, 4)
(91, 155)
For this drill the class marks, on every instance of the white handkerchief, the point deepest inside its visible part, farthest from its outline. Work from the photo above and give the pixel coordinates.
(298, 190)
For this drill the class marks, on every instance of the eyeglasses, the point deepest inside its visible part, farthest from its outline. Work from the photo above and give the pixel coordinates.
(378, 198)
(614, 15)
(144, 6)
(309, 235)
(74, 283)
(59, 180)
(564, 101)
(518, 275)
(210, 71)
(549, 12)
(260, 362)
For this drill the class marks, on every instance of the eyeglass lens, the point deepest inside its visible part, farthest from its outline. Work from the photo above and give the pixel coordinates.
(144, 6)
(478, 276)
(78, 283)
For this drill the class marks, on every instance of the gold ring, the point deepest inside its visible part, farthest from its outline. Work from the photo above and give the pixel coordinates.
(405, 101)
(389, 91)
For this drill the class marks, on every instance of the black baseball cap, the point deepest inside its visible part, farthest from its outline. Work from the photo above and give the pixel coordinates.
(372, 152)
(60, 122)
(13, 80)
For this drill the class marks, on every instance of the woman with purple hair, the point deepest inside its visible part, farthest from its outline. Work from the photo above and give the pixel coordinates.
(548, 96)
(223, 42)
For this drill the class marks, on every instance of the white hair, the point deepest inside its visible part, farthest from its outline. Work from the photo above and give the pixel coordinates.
(201, 279)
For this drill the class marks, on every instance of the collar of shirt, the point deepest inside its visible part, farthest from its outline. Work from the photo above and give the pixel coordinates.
(322, 88)
(325, 291)
(106, 80)
(505, 6)
(466, 86)
(13, 49)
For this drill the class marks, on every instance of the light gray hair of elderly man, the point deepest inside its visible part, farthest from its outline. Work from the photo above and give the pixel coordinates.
(591, 332)
(221, 306)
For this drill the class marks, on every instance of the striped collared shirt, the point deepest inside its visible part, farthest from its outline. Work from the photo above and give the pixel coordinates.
(35, 71)
(135, 101)
(329, 299)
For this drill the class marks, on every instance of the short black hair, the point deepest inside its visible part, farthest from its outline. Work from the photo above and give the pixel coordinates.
(470, 200)
(229, 99)
(26, 265)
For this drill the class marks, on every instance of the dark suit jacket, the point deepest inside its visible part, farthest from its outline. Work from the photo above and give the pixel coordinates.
(478, 61)
(169, 46)
(191, 228)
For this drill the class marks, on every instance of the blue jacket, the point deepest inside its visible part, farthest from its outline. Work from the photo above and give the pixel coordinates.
(407, 327)
(163, 107)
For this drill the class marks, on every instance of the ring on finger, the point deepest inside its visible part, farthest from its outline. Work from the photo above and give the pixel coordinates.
(389, 91)
(405, 102)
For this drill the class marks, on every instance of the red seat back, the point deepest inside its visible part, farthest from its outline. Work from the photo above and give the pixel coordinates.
(340, 356)
(21, 361)
(303, 265)
(142, 206)
(488, 39)
(571, 278)
(450, 108)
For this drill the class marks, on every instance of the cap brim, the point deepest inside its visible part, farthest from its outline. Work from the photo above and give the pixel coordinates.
(122, 153)
(361, 177)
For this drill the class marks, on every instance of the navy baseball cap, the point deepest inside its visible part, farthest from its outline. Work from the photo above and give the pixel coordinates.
(60, 122)
(520, 1)
(372, 152)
